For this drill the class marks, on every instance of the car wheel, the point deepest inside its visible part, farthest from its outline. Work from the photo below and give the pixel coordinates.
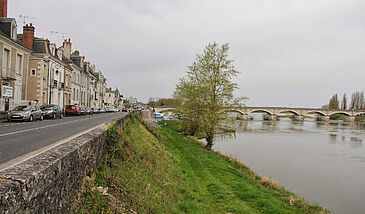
(53, 116)
(41, 118)
(30, 118)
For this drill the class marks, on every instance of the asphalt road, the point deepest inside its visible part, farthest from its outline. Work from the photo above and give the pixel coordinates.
(21, 138)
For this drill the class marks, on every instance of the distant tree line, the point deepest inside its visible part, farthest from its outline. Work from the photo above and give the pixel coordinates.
(357, 102)
(162, 102)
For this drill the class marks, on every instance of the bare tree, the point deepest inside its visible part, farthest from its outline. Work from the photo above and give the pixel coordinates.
(344, 102)
(357, 101)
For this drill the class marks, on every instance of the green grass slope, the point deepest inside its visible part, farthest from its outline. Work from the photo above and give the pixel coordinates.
(176, 174)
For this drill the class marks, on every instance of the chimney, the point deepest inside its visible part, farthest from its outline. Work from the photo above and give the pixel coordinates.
(4, 8)
(67, 48)
(76, 53)
(28, 35)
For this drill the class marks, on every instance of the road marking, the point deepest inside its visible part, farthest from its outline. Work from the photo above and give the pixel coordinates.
(30, 155)
(43, 127)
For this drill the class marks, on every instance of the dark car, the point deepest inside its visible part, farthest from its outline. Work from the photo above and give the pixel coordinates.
(25, 112)
(51, 111)
(72, 110)
(124, 109)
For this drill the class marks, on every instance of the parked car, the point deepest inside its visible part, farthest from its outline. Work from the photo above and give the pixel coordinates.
(25, 112)
(157, 116)
(124, 109)
(102, 110)
(83, 111)
(113, 110)
(89, 111)
(72, 110)
(51, 111)
(95, 110)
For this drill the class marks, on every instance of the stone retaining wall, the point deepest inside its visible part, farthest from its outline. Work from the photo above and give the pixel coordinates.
(47, 183)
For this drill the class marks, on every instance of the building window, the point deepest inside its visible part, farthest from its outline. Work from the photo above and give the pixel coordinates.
(33, 72)
(18, 64)
(6, 59)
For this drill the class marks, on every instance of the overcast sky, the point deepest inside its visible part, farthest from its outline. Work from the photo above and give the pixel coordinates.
(296, 53)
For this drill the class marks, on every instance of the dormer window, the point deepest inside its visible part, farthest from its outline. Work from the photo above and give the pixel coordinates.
(59, 53)
(14, 33)
(53, 49)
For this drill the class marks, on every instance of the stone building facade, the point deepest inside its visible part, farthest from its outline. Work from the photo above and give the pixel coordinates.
(14, 60)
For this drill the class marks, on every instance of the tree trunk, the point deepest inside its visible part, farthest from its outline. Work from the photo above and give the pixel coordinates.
(209, 139)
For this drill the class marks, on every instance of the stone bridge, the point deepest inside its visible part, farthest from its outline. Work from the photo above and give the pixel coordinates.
(299, 113)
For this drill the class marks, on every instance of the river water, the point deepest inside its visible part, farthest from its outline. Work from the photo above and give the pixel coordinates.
(322, 161)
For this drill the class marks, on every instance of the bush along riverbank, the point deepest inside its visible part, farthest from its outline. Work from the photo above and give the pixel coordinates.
(166, 172)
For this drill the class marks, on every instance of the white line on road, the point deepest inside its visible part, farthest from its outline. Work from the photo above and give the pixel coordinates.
(43, 127)
(29, 155)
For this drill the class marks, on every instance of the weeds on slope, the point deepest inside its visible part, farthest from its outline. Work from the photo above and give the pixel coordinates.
(175, 174)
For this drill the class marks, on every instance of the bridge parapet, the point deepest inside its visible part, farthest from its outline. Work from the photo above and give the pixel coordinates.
(299, 113)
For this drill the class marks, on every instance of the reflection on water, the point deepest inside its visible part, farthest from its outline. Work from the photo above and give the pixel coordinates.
(322, 161)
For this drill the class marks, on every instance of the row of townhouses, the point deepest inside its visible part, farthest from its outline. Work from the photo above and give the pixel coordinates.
(34, 70)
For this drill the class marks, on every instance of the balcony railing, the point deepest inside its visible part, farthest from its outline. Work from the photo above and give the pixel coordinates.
(62, 85)
(8, 74)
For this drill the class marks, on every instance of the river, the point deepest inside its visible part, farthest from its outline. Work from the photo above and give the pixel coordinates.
(322, 161)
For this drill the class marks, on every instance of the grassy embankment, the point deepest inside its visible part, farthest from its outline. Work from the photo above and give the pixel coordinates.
(166, 172)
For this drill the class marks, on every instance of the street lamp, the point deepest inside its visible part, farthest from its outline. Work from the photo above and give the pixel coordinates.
(49, 76)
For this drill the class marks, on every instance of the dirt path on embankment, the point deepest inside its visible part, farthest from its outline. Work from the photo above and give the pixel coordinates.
(148, 117)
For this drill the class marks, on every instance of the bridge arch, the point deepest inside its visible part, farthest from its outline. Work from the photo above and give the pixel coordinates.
(359, 114)
(341, 112)
(166, 110)
(236, 111)
(316, 112)
(260, 111)
(289, 111)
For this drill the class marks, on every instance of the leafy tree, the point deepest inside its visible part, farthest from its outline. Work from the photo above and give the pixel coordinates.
(190, 105)
(206, 94)
(333, 103)
(344, 102)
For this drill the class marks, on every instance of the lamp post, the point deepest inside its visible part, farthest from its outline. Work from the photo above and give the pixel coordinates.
(49, 77)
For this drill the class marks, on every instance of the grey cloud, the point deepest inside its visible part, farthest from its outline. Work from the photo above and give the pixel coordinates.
(289, 52)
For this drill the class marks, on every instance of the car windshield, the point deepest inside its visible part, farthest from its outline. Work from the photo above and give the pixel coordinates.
(47, 107)
(22, 108)
(71, 107)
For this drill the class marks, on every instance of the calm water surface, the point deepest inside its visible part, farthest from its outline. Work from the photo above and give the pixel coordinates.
(322, 161)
